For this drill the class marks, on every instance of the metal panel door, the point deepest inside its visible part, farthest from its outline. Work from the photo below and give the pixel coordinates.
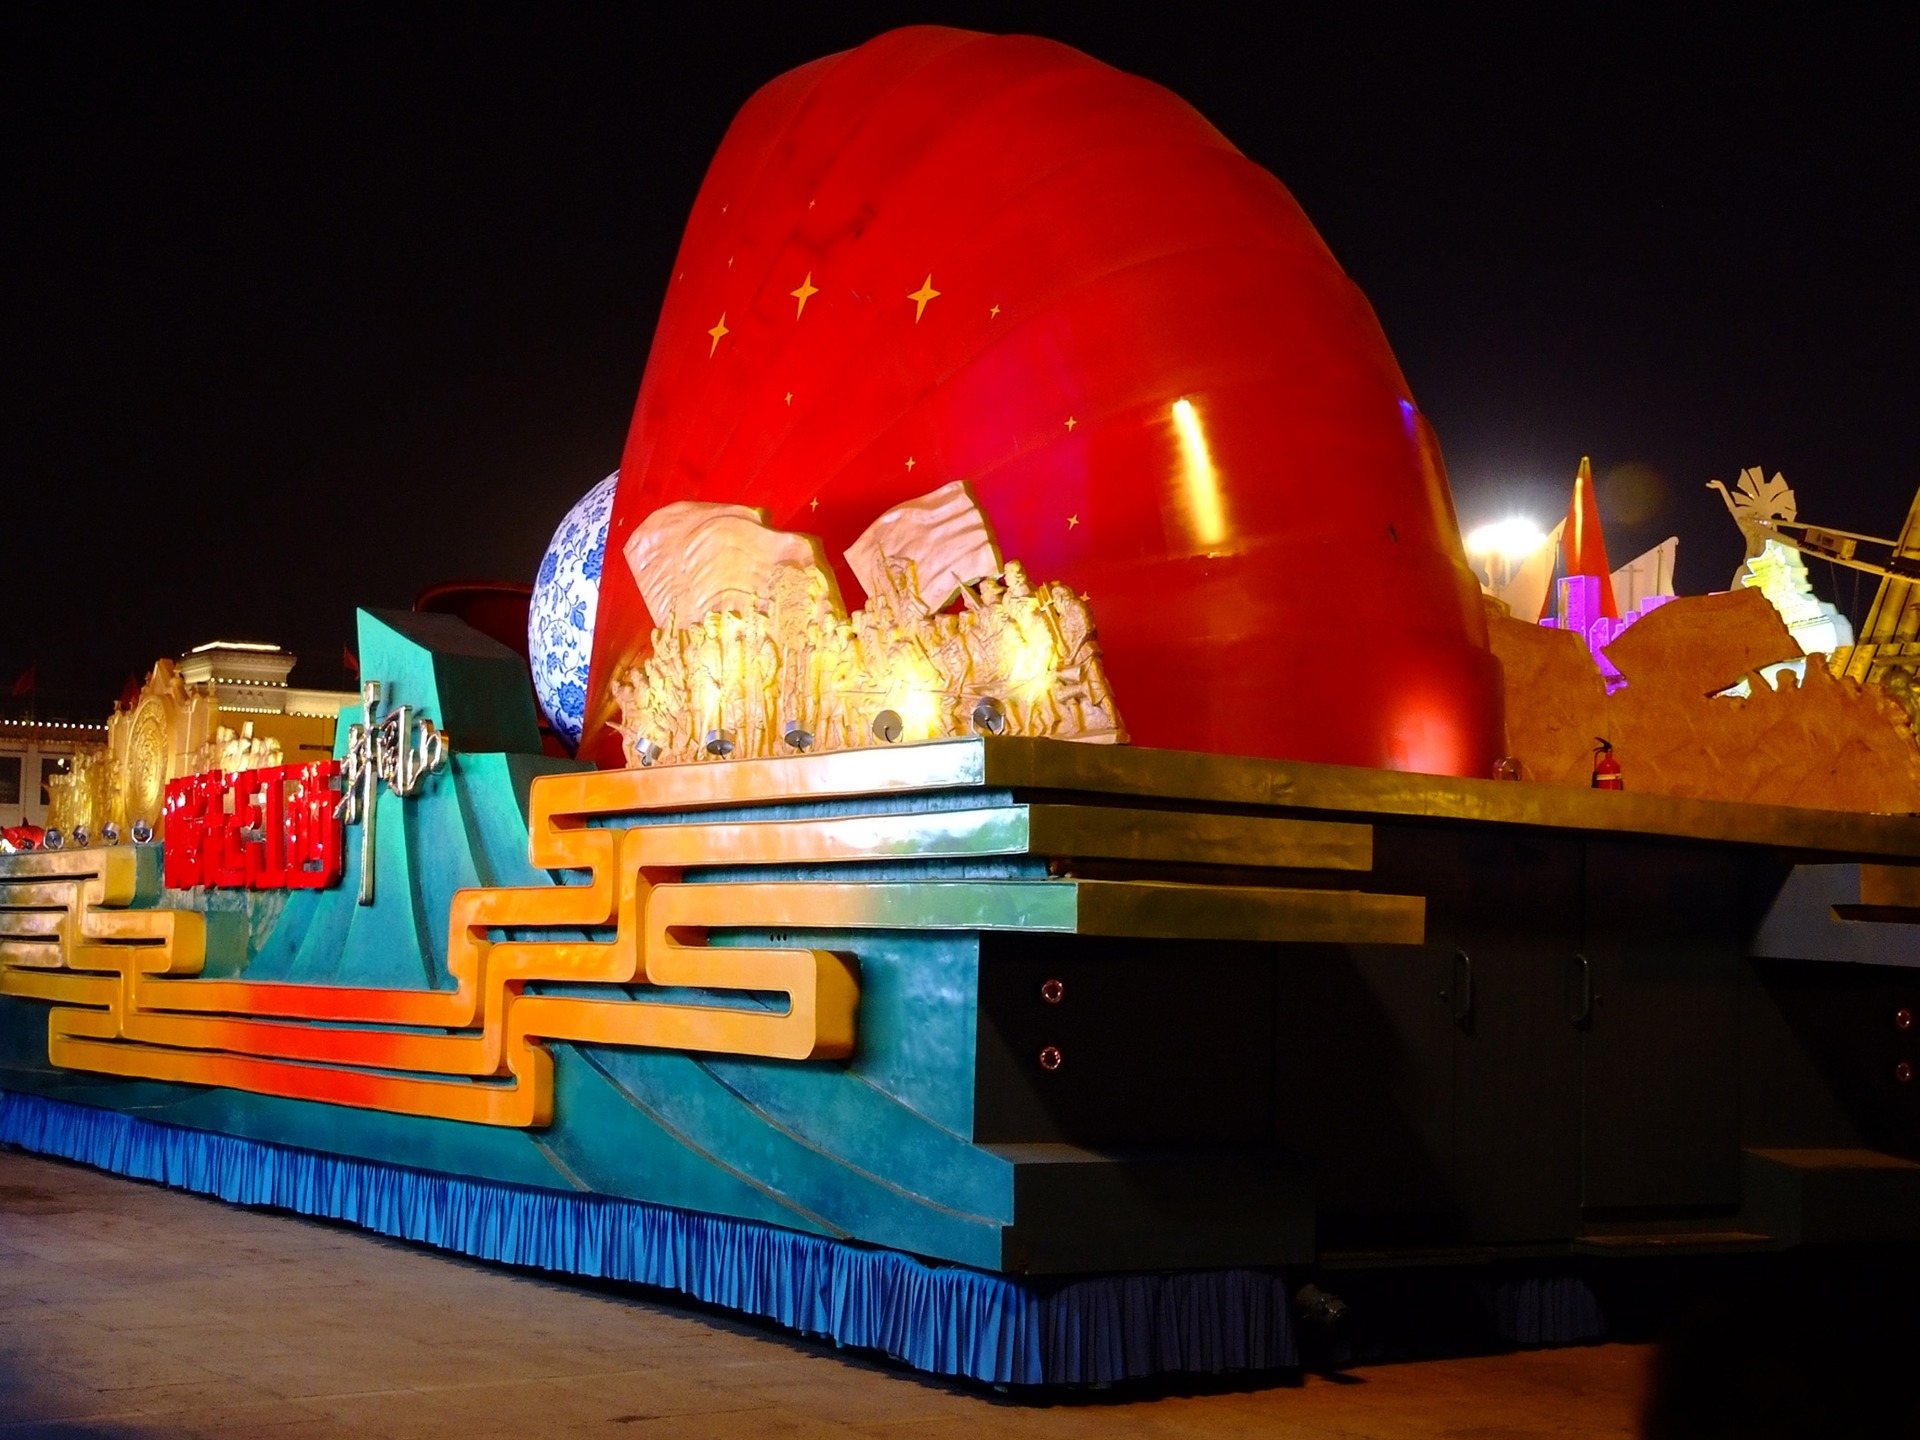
(1666, 931)
(1516, 1057)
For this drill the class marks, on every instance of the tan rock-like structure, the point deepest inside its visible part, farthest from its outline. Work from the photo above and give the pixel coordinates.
(1703, 642)
(1554, 698)
(1827, 742)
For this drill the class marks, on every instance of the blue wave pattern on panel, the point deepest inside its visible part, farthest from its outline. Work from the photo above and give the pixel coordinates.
(841, 1198)
(872, 1150)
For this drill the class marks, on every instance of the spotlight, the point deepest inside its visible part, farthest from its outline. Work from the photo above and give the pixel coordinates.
(797, 736)
(142, 832)
(646, 752)
(887, 726)
(80, 837)
(53, 839)
(719, 743)
(990, 717)
(1322, 1309)
(1511, 540)
(109, 834)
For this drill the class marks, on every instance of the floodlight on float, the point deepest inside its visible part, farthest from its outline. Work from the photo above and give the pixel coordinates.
(1501, 548)
(919, 712)
(1510, 540)
(990, 717)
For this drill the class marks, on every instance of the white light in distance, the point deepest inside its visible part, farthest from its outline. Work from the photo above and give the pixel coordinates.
(1512, 539)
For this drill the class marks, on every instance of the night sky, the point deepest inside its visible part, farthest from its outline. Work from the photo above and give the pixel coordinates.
(310, 310)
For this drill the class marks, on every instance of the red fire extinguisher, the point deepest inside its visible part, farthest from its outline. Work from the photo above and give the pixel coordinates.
(1606, 769)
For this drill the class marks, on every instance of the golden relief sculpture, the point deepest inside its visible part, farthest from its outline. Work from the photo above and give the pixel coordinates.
(776, 663)
(170, 729)
(693, 558)
(147, 762)
(163, 733)
(80, 798)
(233, 752)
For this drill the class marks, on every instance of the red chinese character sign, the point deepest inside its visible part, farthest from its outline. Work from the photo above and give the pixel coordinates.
(261, 829)
(949, 256)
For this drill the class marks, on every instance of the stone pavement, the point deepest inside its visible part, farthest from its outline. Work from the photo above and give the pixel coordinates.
(129, 1310)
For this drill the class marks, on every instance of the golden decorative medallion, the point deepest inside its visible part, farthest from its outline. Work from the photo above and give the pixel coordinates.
(147, 761)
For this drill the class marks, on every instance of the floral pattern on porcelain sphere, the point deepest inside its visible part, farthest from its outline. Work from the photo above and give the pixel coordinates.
(566, 594)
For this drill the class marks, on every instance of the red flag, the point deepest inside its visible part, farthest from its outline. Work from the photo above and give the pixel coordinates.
(350, 662)
(27, 682)
(130, 692)
(1582, 542)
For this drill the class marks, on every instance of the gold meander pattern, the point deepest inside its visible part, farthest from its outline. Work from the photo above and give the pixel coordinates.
(128, 999)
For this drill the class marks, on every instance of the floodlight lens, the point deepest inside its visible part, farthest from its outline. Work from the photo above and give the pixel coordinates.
(1511, 539)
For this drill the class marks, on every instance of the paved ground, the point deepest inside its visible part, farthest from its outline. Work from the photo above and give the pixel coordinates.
(130, 1310)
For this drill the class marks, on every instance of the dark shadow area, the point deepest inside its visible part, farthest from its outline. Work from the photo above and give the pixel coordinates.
(19, 1377)
(1820, 1343)
(19, 1388)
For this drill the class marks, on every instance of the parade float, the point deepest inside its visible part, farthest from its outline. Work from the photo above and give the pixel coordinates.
(994, 915)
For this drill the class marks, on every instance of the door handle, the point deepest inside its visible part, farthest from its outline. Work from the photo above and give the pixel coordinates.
(1463, 992)
(1581, 1010)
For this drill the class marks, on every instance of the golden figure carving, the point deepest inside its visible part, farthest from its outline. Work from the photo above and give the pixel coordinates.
(225, 750)
(788, 668)
(173, 728)
(80, 797)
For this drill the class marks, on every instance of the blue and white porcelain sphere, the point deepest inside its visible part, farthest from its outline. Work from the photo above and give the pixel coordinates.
(566, 595)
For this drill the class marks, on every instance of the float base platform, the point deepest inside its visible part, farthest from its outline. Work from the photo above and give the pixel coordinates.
(1022, 1060)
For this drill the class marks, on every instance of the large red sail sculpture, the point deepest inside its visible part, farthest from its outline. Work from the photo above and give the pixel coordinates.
(949, 256)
